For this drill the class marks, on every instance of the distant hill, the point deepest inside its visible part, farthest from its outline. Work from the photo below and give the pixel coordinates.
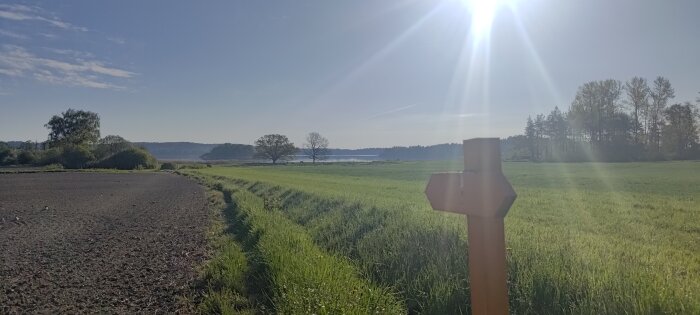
(182, 151)
(14, 144)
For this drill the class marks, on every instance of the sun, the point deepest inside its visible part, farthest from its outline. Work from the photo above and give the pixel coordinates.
(482, 14)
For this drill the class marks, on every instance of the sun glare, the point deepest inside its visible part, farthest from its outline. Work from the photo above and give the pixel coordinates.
(482, 14)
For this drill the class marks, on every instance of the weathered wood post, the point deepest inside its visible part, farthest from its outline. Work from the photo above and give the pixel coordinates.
(483, 193)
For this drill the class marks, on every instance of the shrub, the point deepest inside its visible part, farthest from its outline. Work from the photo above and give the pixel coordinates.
(26, 157)
(110, 145)
(76, 157)
(50, 156)
(129, 159)
(168, 166)
(7, 156)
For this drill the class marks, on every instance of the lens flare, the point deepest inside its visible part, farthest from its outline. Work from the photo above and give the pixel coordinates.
(482, 14)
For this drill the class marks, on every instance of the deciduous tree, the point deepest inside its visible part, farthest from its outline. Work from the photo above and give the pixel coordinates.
(274, 147)
(680, 134)
(638, 98)
(76, 127)
(316, 146)
(661, 94)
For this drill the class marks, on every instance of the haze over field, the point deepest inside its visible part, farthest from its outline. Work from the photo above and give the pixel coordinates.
(364, 74)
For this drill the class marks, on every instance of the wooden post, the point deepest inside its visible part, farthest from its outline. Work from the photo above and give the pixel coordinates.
(484, 194)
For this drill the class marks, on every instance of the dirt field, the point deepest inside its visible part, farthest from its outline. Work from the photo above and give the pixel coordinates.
(91, 242)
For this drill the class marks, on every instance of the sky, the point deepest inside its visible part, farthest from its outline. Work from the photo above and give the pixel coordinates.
(361, 73)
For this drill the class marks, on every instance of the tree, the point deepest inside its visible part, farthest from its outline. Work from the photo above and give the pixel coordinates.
(638, 97)
(316, 146)
(274, 147)
(557, 130)
(540, 130)
(27, 146)
(530, 134)
(594, 107)
(76, 127)
(680, 134)
(6, 154)
(661, 94)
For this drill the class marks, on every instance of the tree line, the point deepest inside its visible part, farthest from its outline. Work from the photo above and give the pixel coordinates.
(273, 147)
(613, 121)
(74, 142)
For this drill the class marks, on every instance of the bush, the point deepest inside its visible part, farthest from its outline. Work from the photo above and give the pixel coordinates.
(129, 159)
(76, 157)
(26, 157)
(168, 166)
(50, 156)
(7, 156)
(110, 145)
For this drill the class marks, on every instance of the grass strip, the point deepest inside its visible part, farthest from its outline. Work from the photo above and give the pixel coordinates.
(287, 273)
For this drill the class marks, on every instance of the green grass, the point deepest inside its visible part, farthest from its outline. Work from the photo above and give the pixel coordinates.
(282, 270)
(224, 276)
(582, 238)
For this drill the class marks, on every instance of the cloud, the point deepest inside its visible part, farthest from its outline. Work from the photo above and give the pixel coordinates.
(71, 53)
(12, 34)
(18, 62)
(117, 40)
(18, 12)
(391, 111)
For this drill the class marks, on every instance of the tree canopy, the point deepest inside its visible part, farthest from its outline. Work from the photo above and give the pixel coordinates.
(316, 146)
(598, 125)
(274, 147)
(75, 127)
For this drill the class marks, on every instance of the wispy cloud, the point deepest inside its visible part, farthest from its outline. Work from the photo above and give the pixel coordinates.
(71, 52)
(18, 12)
(117, 40)
(470, 115)
(18, 62)
(14, 35)
(391, 111)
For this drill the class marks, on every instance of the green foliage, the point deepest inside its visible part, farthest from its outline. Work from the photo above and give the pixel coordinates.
(73, 156)
(129, 159)
(289, 273)
(228, 151)
(225, 274)
(26, 157)
(110, 145)
(680, 135)
(582, 238)
(74, 127)
(598, 127)
(168, 166)
(7, 155)
(50, 156)
(274, 147)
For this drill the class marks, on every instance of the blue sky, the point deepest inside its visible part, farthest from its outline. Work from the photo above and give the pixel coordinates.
(362, 73)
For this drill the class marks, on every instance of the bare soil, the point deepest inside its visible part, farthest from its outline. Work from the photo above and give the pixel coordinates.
(100, 243)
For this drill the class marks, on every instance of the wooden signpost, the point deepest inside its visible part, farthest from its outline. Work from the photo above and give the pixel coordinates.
(484, 194)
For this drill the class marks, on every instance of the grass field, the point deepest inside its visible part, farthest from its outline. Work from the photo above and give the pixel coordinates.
(582, 238)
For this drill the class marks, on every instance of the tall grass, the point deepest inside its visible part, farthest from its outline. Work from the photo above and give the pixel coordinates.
(224, 276)
(288, 273)
(582, 238)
